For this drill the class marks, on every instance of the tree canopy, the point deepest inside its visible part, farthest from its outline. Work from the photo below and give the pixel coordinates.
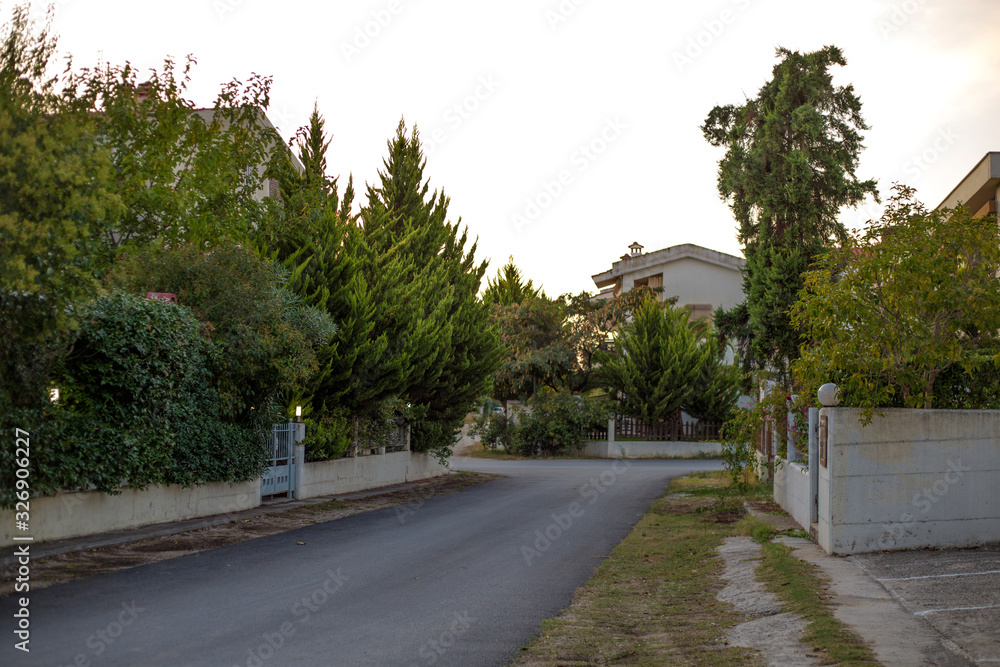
(789, 168)
(894, 306)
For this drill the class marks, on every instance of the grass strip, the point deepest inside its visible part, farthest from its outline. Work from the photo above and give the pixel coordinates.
(652, 602)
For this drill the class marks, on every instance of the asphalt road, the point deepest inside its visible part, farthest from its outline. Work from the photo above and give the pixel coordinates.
(459, 579)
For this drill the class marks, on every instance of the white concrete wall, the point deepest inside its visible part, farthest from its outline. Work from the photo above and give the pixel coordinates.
(92, 512)
(634, 449)
(909, 480)
(792, 492)
(324, 478)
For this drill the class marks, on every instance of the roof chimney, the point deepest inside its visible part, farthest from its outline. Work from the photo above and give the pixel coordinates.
(635, 249)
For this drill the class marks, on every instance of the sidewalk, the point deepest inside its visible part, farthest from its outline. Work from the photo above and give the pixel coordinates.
(914, 607)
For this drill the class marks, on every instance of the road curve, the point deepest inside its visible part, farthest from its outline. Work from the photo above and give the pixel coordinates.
(459, 579)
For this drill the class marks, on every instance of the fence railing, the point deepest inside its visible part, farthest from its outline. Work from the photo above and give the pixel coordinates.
(671, 429)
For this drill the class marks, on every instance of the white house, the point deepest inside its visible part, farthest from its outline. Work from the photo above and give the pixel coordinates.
(700, 278)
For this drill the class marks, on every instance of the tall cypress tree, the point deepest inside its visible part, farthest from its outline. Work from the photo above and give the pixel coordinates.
(791, 156)
(316, 237)
(440, 339)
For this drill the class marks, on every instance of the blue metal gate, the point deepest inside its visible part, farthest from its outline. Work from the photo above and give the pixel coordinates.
(279, 478)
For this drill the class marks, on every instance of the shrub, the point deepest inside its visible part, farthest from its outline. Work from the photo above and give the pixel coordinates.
(556, 422)
(264, 345)
(137, 406)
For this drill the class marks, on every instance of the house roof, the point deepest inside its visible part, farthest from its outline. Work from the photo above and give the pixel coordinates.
(978, 187)
(672, 254)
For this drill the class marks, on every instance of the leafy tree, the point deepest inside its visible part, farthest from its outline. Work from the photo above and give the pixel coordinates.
(183, 174)
(655, 362)
(895, 306)
(441, 347)
(137, 405)
(791, 156)
(508, 288)
(537, 350)
(53, 200)
(265, 338)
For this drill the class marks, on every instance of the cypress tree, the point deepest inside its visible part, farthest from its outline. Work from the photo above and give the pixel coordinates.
(441, 345)
(791, 156)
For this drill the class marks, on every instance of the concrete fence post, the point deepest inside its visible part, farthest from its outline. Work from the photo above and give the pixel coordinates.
(813, 462)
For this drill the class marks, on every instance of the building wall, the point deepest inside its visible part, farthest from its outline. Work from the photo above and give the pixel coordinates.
(694, 282)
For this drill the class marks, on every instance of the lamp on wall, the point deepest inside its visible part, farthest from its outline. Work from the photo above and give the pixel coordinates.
(298, 413)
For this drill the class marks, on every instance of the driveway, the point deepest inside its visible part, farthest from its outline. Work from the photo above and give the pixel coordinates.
(956, 591)
(459, 579)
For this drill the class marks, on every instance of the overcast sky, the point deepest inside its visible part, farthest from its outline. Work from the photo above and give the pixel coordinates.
(564, 131)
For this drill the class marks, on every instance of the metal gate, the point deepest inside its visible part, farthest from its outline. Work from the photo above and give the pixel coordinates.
(279, 478)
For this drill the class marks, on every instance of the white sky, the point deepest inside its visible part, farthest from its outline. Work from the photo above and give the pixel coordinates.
(561, 74)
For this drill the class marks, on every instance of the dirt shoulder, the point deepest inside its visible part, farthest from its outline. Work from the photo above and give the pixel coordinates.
(74, 565)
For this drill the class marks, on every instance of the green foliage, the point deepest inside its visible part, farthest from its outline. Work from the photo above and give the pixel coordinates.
(717, 387)
(441, 349)
(655, 362)
(53, 200)
(496, 430)
(791, 154)
(557, 421)
(136, 406)
(259, 352)
(508, 288)
(555, 342)
(898, 304)
(183, 174)
(329, 436)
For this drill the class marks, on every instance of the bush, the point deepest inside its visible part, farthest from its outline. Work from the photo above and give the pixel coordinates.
(557, 421)
(137, 406)
(496, 430)
(328, 437)
(264, 343)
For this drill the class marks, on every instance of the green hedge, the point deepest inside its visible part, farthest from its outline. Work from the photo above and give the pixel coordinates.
(137, 405)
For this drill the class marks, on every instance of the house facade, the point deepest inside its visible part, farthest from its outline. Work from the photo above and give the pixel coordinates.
(700, 278)
(979, 190)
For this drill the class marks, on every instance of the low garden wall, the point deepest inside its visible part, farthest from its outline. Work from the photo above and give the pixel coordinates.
(323, 478)
(82, 513)
(641, 449)
(911, 479)
(78, 514)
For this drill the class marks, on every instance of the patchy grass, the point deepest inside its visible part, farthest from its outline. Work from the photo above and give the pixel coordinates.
(652, 602)
(799, 585)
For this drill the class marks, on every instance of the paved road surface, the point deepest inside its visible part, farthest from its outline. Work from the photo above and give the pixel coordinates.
(460, 579)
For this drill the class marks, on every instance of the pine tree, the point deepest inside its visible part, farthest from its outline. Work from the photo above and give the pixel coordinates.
(508, 288)
(442, 348)
(789, 168)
